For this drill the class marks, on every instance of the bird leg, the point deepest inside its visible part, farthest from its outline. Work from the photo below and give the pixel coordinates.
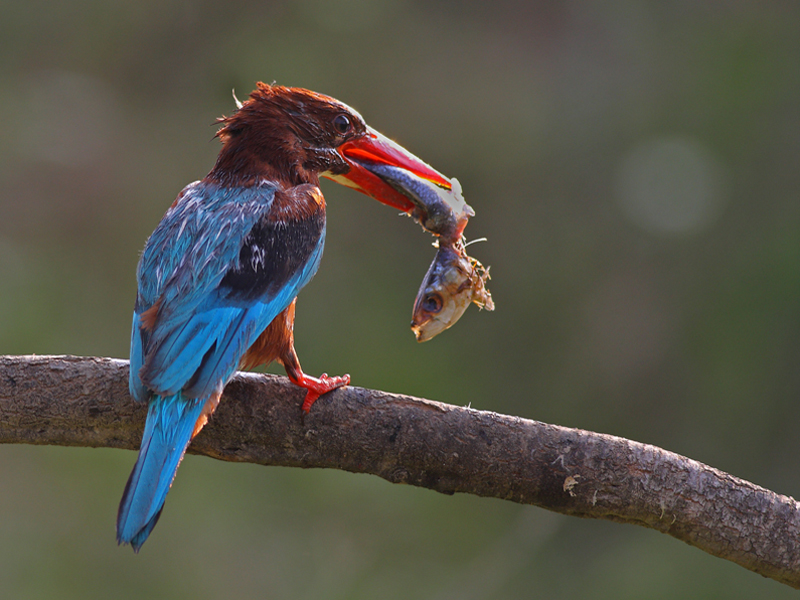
(315, 386)
(277, 343)
(288, 358)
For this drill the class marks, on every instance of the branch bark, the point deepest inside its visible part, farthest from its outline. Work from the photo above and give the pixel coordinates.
(74, 401)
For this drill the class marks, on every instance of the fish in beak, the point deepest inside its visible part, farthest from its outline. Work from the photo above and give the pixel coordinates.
(373, 149)
(387, 172)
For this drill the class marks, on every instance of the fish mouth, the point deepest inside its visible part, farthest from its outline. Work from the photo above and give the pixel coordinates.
(424, 335)
(428, 328)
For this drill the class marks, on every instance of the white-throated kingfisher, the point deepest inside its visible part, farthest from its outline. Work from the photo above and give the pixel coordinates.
(219, 276)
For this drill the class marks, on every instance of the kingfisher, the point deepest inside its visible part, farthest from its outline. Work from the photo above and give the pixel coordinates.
(218, 278)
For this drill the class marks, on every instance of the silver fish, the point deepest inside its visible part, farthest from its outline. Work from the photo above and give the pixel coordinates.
(440, 211)
(453, 281)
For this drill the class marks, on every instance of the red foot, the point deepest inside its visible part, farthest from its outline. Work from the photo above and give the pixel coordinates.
(317, 387)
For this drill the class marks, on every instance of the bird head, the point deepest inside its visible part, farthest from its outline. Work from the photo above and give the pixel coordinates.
(294, 136)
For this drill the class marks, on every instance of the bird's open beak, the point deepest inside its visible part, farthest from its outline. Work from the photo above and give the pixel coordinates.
(373, 148)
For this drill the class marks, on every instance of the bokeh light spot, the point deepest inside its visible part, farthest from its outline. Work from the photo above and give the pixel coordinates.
(671, 185)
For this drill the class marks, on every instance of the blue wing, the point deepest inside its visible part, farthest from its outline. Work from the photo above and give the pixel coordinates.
(218, 269)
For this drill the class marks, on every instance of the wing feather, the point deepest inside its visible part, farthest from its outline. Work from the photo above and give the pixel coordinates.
(221, 267)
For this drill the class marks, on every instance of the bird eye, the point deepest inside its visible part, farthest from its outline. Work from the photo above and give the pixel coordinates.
(341, 123)
(432, 303)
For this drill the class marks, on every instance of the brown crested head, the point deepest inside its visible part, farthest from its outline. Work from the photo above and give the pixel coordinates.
(284, 134)
(293, 136)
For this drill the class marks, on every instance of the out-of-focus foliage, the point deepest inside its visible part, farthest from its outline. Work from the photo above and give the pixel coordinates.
(635, 168)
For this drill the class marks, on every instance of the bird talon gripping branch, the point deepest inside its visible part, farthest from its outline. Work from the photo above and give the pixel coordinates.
(318, 387)
(218, 278)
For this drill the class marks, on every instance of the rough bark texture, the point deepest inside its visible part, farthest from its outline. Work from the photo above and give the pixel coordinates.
(75, 401)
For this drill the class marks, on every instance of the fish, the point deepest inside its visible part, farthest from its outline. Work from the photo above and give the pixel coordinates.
(453, 281)
(440, 211)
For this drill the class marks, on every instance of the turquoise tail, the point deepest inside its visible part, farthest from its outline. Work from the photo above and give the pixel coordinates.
(167, 433)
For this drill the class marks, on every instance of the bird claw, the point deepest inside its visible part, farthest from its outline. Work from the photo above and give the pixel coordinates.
(317, 387)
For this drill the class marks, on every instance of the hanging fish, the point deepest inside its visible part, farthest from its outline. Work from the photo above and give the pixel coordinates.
(453, 281)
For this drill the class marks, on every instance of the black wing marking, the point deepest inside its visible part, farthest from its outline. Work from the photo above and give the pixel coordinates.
(278, 246)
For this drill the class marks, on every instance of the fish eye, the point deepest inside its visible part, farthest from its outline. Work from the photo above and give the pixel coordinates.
(432, 303)
(341, 123)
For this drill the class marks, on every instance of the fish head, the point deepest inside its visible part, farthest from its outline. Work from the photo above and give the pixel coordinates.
(444, 295)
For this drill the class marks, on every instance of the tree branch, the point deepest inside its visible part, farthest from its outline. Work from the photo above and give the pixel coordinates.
(73, 401)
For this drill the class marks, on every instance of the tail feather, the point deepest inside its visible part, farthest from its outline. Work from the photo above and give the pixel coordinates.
(167, 433)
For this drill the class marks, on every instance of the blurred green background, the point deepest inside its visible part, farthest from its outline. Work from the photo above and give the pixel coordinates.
(635, 168)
